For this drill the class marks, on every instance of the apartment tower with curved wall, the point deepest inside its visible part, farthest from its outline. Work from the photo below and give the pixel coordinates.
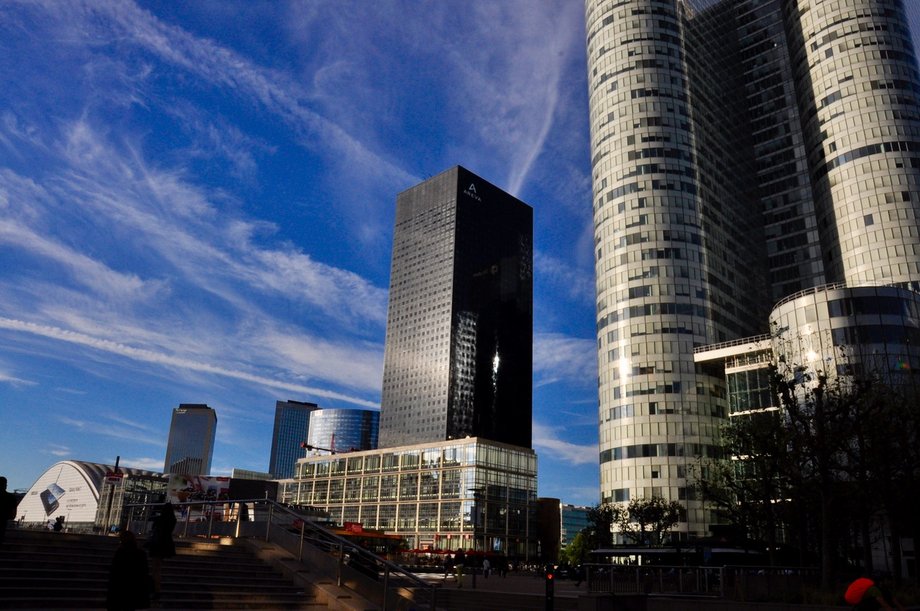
(742, 150)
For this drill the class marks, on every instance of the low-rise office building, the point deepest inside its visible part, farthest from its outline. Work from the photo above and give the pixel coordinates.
(470, 494)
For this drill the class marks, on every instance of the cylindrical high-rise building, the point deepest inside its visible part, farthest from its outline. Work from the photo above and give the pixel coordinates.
(859, 94)
(742, 150)
(673, 240)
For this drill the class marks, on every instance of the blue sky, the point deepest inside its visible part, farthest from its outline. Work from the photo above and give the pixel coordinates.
(196, 206)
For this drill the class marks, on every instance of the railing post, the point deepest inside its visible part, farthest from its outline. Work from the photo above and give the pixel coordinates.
(338, 577)
(268, 522)
(722, 582)
(210, 520)
(239, 516)
(303, 528)
(386, 586)
(188, 516)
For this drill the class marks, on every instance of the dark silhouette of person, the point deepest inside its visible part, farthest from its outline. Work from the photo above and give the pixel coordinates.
(448, 566)
(8, 504)
(160, 545)
(459, 559)
(129, 580)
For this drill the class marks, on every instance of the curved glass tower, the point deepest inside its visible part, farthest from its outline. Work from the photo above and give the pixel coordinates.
(742, 150)
(673, 247)
(344, 430)
(857, 82)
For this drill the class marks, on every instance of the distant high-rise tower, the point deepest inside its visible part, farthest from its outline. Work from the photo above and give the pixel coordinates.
(292, 422)
(191, 440)
(458, 357)
(742, 150)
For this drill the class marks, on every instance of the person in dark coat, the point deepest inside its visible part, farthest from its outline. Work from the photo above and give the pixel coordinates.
(8, 504)
(129, 579)
(160, 545)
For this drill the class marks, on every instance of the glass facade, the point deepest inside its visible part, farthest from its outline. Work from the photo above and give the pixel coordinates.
(344, 430)
(574, 519)
(862, 331)
(292, 422)
(191, 440)
(469, 494)
(742, 150)
(458, 356)
(857, 86)
(115, 493)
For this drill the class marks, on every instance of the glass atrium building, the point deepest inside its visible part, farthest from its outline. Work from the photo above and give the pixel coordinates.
(461, 494)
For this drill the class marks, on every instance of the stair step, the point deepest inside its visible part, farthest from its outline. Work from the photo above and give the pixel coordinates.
(68, 571)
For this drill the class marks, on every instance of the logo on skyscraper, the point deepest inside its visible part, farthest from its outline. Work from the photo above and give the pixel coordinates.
(471, 192)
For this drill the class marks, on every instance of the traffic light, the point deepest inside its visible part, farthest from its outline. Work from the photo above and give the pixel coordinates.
(549, 578)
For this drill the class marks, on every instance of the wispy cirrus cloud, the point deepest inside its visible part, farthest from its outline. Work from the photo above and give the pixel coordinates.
(575, 283)
(546, 439)
(558, 357)
(149, 356)
(108, 428)
(222, 67)
(151, 217)
(58, 450)
(508, 81)
(6, 378)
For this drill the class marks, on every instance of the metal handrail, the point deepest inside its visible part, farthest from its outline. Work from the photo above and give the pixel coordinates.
(751, 339)
(283, 521)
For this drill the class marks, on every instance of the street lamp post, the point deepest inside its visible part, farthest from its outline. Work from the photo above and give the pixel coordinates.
(310, 446)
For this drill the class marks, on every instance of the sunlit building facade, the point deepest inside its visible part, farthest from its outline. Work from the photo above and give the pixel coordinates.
(742, 150)
(461, 494)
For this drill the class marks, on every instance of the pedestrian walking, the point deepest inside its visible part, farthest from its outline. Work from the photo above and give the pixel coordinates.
(486, 568)
(160, 545)
(459, 559)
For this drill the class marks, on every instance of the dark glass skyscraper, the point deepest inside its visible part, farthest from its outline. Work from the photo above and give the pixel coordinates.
(742, 150)
(191, 440)
(458, 357)
(292, 422)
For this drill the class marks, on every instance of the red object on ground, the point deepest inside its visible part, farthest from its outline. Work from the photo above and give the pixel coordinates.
(857, 589)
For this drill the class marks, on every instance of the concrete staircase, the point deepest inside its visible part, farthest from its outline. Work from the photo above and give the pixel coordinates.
(48, 570)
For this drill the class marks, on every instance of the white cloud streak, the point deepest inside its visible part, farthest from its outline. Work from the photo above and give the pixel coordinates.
(575, 283)
(222, 67)
(546, 440)
(149, 356)
(559, 357)
(6, 378)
